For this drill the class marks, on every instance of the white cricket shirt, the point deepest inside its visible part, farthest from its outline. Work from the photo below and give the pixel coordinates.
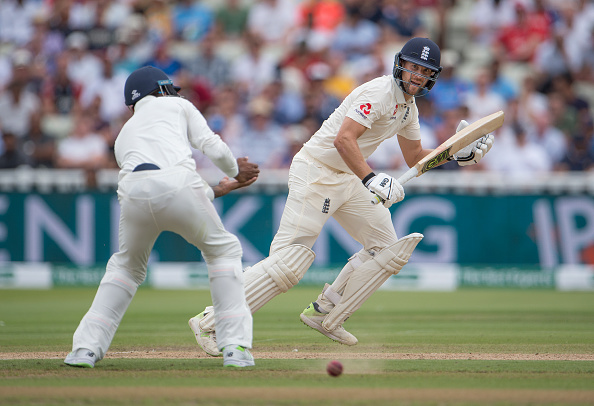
(378, 105)
(161, 132)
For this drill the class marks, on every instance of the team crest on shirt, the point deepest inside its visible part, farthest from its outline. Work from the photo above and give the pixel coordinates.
(364, 110)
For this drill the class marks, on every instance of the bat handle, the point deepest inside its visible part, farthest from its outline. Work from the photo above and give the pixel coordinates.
(405, 177)
(408, 175)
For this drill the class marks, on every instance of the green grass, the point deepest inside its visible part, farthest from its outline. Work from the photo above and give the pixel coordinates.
(461, 322)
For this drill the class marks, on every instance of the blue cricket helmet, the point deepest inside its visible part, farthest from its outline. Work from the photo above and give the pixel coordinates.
(423, 52)
(147, 80)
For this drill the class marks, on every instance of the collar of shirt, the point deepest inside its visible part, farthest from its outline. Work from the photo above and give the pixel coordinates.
(143, 101)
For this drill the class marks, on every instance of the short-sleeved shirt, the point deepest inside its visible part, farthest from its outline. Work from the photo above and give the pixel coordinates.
(378, 105)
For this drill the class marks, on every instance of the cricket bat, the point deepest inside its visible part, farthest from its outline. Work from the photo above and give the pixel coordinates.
(455, 143)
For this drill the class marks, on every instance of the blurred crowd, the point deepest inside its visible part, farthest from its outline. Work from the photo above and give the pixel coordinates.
(266, 73)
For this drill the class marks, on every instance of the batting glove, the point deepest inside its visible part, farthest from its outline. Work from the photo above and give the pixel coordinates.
(474, 152)
(385, 187)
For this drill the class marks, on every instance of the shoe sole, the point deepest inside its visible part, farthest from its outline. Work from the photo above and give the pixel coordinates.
(218, 354)
(240, 364)
(322, 330)
(79, 364)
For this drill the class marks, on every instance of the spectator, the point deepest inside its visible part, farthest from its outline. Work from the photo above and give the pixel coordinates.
(164, 60)
(302, 55)
(563, 116)
(16, 21)
(208, 65)
(231, 19)
(84, 68)
(12, 156)
(82, 148)
(263, 141)
(159, 18)
(481, 100)
(403, 20)
(59, 93)
(288, 105)
(115, 13)
(100, 34)
(488, 17)
(133, 46)
(450, 90)
(192, 20)
(522, 158)
(102, 92)
(578, 156)
(272, 20)
(518, 41)
(45, 45)
(319, 102)
(531, 102)
(320, 16)
(82, 15)
(552, 139)
(500, 84)
(18, 103)
(355, 36)
(254, 69)
(586, 72)
(38, 145)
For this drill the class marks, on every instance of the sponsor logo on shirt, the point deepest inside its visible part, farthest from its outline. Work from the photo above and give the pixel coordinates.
(326, 206)
(365, 108)
(394, 117)
(405, 115)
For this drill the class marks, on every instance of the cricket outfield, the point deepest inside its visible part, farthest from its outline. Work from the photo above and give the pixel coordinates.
(467, 347)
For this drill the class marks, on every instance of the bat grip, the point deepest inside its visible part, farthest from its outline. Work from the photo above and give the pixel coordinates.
(405, 177)
(408, 175)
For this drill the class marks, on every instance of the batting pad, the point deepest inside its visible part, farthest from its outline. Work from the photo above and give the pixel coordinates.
(270, 277)
(366, 279)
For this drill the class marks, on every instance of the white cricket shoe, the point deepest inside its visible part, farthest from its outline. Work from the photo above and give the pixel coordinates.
(81, 357)
(207, 340)
(237, 356)
(311, 317)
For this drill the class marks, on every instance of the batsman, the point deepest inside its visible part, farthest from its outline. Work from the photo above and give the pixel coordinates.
(330, 176)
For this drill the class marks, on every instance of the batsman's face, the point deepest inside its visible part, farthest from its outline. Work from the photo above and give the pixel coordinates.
(416, 79)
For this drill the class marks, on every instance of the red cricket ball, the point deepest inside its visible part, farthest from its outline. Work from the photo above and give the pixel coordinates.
(334, 368)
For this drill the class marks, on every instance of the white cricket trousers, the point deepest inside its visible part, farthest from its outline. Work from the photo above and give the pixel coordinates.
(173, 200)
(317, 192)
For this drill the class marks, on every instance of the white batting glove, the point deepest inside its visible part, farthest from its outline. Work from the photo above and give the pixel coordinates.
(474, 152)
(385, 187)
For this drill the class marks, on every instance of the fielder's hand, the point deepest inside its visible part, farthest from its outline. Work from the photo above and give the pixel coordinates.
(474, 152)
(386, 188)
(247, 170)
(226, 185)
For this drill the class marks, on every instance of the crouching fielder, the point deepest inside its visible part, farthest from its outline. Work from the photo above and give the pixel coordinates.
(160, 190)
(330, 177)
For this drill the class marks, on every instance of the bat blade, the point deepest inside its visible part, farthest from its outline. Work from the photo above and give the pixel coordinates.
(455, 143)
(461, 139)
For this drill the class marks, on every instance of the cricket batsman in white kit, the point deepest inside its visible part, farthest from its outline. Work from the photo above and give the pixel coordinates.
(160, 190)
(329, 176)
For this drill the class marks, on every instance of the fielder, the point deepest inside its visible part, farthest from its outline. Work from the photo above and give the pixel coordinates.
(160, 190)
(330, 177)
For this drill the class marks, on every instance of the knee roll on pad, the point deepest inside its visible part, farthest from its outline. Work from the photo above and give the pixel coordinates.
(270, 277)
(369, 277)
